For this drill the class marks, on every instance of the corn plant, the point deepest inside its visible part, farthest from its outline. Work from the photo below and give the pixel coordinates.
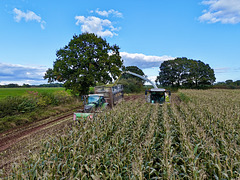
(197, 136)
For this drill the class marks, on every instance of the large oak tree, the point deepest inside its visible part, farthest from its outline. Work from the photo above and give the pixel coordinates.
(85, 61)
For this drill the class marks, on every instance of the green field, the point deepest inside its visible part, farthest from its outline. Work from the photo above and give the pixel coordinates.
(4, 92)
(19, 106)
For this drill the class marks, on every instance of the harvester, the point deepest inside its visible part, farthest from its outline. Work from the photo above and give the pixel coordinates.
(156, 95)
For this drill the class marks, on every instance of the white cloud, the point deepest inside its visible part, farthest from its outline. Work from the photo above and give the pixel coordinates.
(152, 78)
(143, 61)
(109, 12)
(28, 16)
(92, 24)
(43, 23)
(224, 11)
(15, 73)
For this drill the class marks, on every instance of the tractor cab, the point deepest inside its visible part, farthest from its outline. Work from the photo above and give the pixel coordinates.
(158, 95)
(94, 101)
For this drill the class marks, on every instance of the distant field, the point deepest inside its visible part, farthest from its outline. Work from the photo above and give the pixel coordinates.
(4, 92)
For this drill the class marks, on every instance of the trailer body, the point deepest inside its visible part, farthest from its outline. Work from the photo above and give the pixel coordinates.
(102, 98)
(112, 95)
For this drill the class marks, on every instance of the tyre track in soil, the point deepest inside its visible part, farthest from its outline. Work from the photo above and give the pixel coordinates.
(14, 136)
(14, 143)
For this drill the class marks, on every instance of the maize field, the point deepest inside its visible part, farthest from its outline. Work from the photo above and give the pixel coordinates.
(197, 136)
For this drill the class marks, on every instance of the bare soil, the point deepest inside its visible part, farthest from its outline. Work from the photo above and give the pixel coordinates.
(133, 97)
(16, 144)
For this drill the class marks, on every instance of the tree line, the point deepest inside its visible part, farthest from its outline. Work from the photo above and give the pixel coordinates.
(12, 85)
(89, 60)
(228, 84)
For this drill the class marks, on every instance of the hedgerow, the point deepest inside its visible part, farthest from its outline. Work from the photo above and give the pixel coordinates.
(17, 110)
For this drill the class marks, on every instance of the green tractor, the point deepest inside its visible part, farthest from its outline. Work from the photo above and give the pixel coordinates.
(95, 103)
(104, 97)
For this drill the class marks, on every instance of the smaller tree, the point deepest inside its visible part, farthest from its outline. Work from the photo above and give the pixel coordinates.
(237, 83)
(131, 85)
(26, 85)
(136, 70)
(130, 82)
(187, 72)
(229, 82)
(12, 85)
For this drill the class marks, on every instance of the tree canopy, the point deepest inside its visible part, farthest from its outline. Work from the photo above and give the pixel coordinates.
(136, 70)
(132, 83)
(185, 72)
(85, 61)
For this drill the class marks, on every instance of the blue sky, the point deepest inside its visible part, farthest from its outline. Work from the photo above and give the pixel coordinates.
(147, 32)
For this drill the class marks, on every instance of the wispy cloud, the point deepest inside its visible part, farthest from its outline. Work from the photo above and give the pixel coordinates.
(108, 13)
(225, 73)
(15, 73)
(224, 11)
(222, 70)
(92, 24)
(28, 16)
(143, 61)
(227, 70)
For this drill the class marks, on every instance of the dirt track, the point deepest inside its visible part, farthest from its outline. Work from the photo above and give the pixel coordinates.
(13, 136)
(16, 143)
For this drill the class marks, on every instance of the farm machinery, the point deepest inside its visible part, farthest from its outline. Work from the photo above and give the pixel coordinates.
(103, 97)
(156, 95)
